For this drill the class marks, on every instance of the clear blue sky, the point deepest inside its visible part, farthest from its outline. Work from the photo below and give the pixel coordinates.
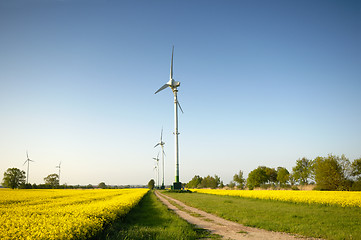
(262, 83)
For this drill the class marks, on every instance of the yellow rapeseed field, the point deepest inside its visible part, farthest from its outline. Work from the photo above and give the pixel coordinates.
(62, 214)
(340, 198)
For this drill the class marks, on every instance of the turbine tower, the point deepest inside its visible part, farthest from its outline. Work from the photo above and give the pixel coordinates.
(59, 171)
(157, 160)
(174, 85)
(27, 160)
(161, 143)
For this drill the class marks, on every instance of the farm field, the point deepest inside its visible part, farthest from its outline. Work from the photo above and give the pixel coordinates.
(339, 198)
(62, 214)
(307, 219)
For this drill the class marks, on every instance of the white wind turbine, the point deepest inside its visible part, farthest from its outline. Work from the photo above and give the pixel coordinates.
(161, 143)
(27, 160)
(157, 160)
(174, 85)
(155, 175)
(59, 171)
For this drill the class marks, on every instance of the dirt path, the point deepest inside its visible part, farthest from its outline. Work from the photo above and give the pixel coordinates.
(220, 226)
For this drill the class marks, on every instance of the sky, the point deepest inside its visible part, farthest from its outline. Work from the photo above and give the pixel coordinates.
(263, 83)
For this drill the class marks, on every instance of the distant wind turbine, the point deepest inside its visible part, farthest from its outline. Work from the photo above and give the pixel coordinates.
(157, 160)
(155, 177)
(27, 160)
(161, 143)
(174, 85)
(59, 170)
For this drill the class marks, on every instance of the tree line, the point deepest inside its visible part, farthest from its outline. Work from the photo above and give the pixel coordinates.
(327, 173)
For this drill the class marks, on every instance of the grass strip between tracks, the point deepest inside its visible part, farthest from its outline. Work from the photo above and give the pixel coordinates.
(150, 219)
(329, 222)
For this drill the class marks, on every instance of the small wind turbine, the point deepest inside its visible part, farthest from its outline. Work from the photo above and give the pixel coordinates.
(59, 171)
(155, 174)
(27, 160)
(174, 85)
(157, 159)
(161, 143)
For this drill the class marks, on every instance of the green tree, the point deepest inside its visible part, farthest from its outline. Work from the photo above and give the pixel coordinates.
(151, 184)
(283, 176)
(257, 177)
(13, 178)
(330, 173)
(271, 174)
(239, 179)
(356, 168)
(303, 170)
(195, 182)
(231, 184)
(52, 180)
(210, 182)
(102, 185)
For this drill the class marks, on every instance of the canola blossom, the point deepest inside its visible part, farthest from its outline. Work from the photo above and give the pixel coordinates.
(62, 214)
(339, 198)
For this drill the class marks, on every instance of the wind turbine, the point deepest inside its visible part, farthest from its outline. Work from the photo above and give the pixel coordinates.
(161, 143)
(157, 159)
(174, 85)
(59, 171)
(27, 160)
(155, 177)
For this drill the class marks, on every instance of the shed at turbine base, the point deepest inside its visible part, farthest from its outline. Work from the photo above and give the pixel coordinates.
(177, 186)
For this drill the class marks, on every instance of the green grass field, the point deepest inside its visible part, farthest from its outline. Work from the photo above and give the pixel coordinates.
(329, 222)
(152, 220)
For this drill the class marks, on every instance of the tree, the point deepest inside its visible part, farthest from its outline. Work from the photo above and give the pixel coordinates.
(231, 184)
(195, 182)
(102, 185)
(239, 179)
(271, 174)
(330, 173)
(210, 182)
(356, 168)
(283, 176)
(303, 170)
(151, 184)
(257, 177)
(52, 180)
(13, 178)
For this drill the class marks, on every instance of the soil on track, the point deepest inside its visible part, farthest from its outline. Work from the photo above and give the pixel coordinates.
(220, 226)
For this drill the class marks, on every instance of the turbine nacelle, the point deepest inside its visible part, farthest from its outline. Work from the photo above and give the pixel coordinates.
(173, 84)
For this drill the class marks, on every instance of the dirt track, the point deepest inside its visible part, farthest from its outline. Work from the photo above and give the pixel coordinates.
(220, 226)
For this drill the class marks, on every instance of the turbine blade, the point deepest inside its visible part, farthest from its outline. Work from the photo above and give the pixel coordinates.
(164, 153)
(162, 88)
(161, 135)
(25, 162)
(156, 144)
(180, 106)
(171, 65)
(27, 155)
